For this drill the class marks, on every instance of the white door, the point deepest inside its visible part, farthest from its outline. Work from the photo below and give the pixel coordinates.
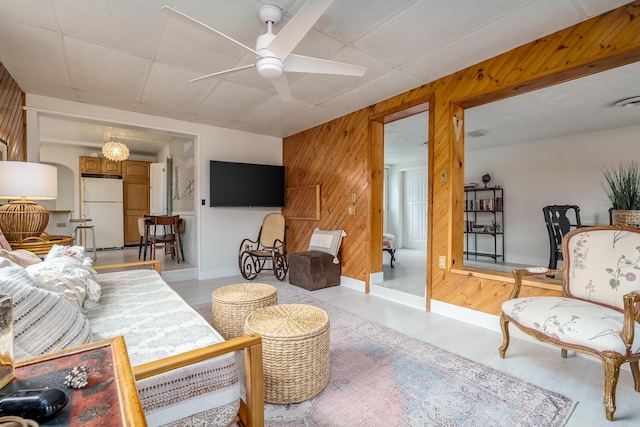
(158, 189)
(415, 187)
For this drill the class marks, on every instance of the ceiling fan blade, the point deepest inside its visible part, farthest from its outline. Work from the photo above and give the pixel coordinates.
(282, 86)
(289, 37)
(306, 64)
(190, 20)
(244, 67)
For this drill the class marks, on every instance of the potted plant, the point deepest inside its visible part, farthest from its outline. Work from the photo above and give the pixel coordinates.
(623, 191)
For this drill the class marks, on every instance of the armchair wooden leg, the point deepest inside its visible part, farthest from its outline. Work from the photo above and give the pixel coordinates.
(504, 325)
(611, 374)
(635, 371)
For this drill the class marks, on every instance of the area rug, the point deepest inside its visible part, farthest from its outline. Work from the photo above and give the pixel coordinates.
(380, 377)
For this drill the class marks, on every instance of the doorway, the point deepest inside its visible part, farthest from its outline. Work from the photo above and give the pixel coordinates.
(405, 209)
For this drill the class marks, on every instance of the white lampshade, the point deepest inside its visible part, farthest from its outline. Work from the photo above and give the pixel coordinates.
(22, 219)
(31, 181)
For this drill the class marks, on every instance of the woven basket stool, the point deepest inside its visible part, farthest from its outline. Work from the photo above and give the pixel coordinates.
(295, 350)
(231, 304)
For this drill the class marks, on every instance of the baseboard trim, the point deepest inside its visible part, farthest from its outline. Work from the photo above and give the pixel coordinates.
(399, 297)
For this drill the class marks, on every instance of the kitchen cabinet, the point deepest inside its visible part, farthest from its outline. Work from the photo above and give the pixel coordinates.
(100, 166)
(136, 187)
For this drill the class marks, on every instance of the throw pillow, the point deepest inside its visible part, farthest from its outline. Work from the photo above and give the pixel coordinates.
(71, 271)
(43, 321)
(328, 241)
(22, 257)
(4, 244)
(70, 288)
(76, 252)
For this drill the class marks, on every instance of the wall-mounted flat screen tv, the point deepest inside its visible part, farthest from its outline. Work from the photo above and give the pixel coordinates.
(245, 185)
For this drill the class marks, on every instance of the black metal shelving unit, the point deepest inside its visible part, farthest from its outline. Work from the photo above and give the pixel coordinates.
(484, 205)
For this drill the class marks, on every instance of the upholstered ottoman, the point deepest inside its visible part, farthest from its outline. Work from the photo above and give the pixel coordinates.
(295, 350)
(231, 304)
(313, 270)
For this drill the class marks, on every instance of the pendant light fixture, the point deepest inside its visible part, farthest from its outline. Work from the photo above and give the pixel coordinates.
(114, 150)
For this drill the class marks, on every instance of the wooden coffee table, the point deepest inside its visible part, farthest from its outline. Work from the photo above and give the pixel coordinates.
(110, 398)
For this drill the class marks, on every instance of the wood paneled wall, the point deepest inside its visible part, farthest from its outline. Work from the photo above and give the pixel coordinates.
(335, 155)
(12, 116)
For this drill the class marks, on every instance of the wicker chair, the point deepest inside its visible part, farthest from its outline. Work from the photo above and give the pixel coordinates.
(267, 252)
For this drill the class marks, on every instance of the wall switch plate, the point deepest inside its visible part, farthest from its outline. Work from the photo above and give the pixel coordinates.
(203, 202)
(352, 197)
(442, 261)
(61, 224)
(352, 210)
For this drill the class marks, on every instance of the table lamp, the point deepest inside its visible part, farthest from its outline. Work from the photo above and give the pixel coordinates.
(25, 181)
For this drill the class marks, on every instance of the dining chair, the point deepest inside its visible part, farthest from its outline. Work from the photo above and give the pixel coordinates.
(163, 234)
(560, 219)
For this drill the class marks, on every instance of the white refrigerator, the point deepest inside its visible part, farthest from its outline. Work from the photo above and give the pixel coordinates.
(102, 203)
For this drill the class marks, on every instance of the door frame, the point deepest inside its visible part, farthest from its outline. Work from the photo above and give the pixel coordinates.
(376, 182)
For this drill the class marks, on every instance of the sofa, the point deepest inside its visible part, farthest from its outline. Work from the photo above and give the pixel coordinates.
(186, 373)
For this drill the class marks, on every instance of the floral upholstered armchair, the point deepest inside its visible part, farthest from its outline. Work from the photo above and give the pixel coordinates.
(599, 311)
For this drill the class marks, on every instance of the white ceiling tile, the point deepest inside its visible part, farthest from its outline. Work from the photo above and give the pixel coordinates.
(106, 99)
(157, 110)
(597, 7)
(169, 87)
(386, 86)
(124, 25)
(185, 46)
(525, 24)
(237, 19)
(349, 20)
(39, 13)
(273, 110)
(429, 24)
(313, 117)
(245, 100)
(45, 88)
(31, 54)
(105, 71)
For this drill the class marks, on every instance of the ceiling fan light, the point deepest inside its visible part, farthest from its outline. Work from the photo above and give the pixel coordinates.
(270, 68)
(115, 151)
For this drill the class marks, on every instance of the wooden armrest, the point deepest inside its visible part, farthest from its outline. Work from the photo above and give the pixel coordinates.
(155, 263)
(519, 274)
(252, 411)
(631, 313)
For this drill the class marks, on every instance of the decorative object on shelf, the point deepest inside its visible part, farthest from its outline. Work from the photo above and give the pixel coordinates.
(78, 377)
(114, 150)
(6, 340)
(23, 218)
(622, 188)
(485, 179)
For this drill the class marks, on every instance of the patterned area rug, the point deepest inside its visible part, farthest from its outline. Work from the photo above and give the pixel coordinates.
(380, 377)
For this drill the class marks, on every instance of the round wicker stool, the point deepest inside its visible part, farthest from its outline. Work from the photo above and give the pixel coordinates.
(295, 350)
(231, 304)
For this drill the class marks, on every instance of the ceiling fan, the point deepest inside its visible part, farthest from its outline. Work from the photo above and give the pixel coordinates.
(273, 51)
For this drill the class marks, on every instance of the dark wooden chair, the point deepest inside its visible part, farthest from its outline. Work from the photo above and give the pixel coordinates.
(267, 252)
(560, 219)
(163, 234)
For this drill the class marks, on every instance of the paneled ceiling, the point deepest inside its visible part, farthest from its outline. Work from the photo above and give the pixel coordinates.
(129, 55)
